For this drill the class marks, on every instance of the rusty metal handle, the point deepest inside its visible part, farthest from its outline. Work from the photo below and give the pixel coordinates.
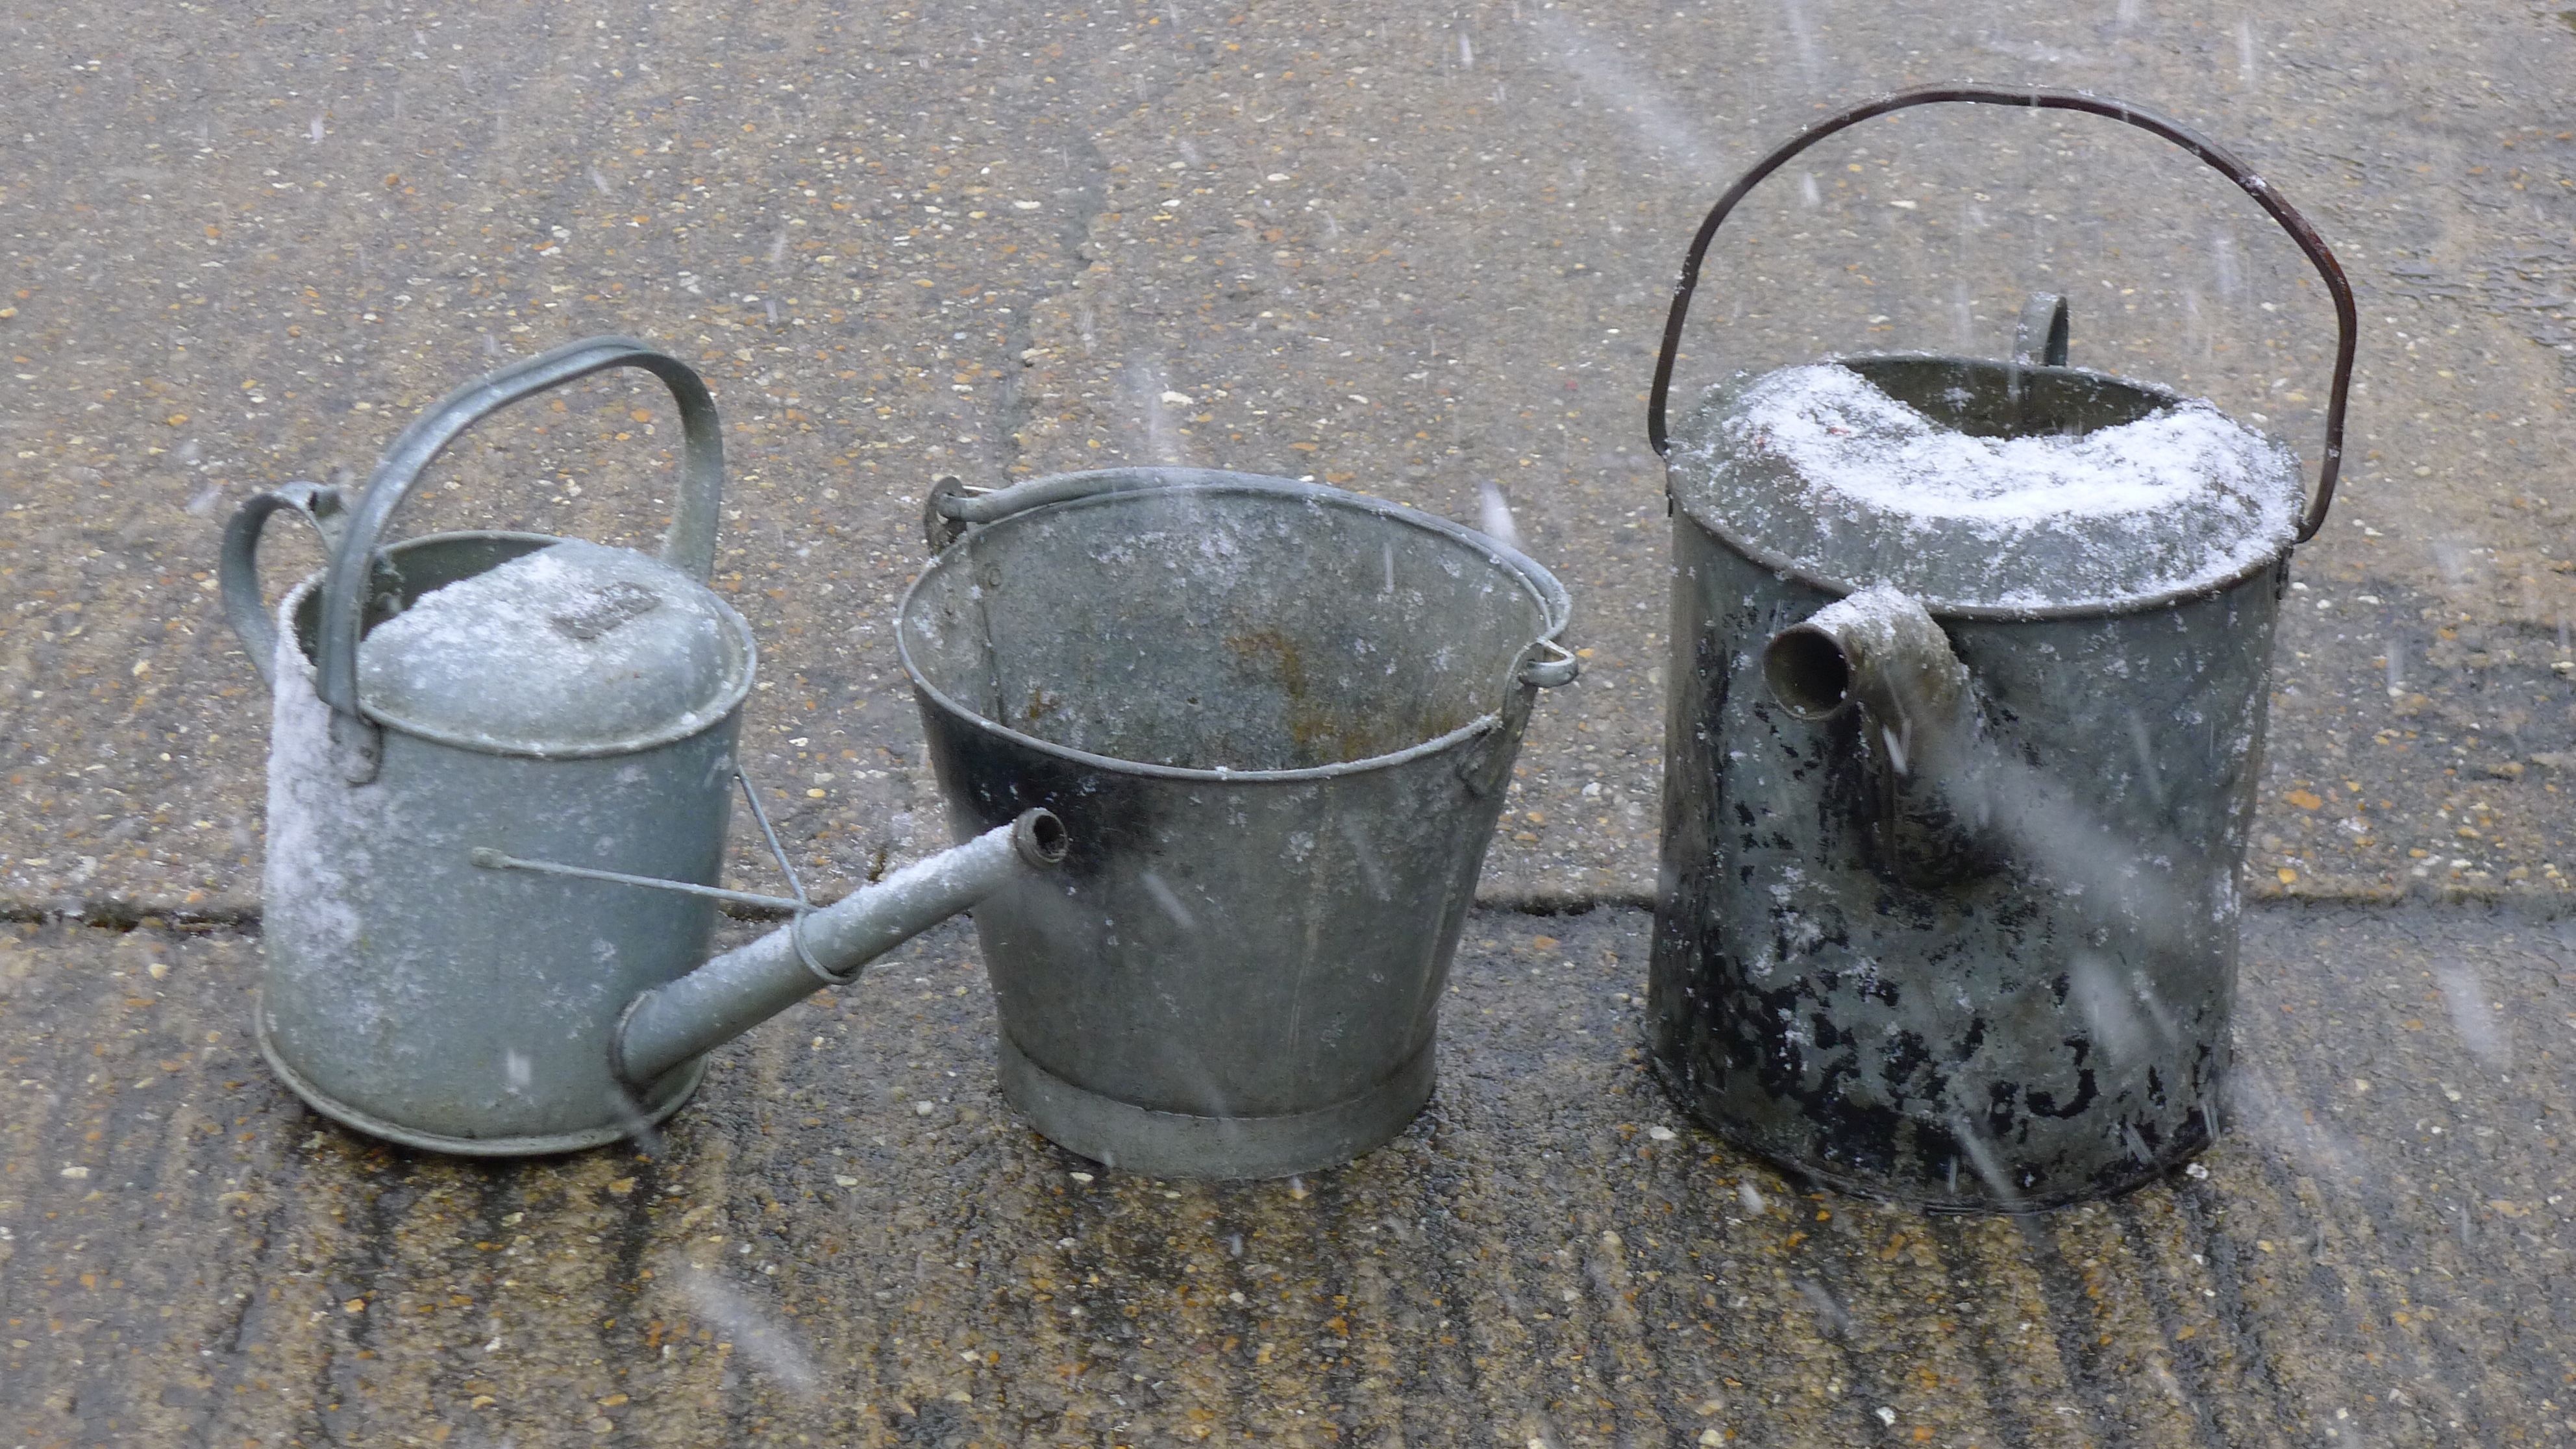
(689, 545)
(245, 608)
(2347, 316)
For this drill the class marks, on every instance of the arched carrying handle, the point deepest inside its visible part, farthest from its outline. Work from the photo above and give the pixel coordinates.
(689, 546)
(2347, 317)
(245, 608)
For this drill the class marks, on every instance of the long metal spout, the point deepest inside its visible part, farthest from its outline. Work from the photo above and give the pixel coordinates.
(743, 988)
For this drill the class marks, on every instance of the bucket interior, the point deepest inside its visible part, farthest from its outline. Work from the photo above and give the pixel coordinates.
(1215, 627)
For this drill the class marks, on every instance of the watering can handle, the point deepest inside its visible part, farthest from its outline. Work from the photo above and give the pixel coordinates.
(244, 606)
(2347, 317)
(689, 545)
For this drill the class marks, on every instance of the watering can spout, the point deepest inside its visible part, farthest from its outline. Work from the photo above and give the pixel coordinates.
(1880, 650)
(742, 988)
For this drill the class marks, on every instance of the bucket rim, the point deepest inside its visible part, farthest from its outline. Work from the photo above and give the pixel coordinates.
(688, 726)
(1555, 610)
(1841, 586)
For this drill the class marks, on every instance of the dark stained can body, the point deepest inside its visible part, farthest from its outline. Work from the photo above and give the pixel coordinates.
(1968, 692)
(1886, 1012)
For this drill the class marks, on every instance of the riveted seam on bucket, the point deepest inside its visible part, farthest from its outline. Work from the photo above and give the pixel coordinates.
(688, 726)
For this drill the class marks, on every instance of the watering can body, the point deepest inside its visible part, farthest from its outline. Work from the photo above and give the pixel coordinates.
(418, 997)
(500, 778)
(409, 992)
(1956, 802)
(2016, 1016)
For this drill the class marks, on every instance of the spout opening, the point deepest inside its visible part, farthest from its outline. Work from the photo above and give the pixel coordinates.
(1808, 672)
(1040, 837)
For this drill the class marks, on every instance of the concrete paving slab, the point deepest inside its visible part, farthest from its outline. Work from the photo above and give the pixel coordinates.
(1414, 253)
(849, 1238)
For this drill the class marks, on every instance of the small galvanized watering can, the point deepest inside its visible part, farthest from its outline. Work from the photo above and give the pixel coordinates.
(1968, 698)
(501, 766)
(1278, 720)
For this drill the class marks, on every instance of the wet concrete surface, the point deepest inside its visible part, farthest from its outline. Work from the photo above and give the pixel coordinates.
(1407, 252)
(850, 1238)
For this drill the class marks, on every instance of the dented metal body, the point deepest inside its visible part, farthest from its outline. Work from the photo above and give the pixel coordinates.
(1278, 720)
(1956, 790)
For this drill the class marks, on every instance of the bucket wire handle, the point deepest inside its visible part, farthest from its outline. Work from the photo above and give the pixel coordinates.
(245, 608)
(689, 545)
(955, 505)
(2347, 317)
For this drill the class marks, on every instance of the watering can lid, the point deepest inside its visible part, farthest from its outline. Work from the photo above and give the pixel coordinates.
(1985, 488)
(576, 648)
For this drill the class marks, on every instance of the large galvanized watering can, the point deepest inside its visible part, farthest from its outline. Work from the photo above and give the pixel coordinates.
(1968, 698)
(1278, 720)
(501, 766)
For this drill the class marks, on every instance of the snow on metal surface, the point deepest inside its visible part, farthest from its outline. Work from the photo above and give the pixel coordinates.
(321, 833)
(1823, 467)
(575, 644)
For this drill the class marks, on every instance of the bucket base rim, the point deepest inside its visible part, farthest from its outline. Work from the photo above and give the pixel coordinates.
(539, 1145)
(1153, 1143)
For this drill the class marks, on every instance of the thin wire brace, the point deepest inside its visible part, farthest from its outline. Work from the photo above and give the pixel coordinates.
(804, 907)
(798, 907)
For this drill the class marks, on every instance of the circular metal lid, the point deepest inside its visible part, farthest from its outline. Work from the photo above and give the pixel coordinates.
(1985, 488)
(574, 649)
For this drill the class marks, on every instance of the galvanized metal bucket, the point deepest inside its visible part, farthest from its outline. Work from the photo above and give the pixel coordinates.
(1954, 814)
(500, 770)
(1277, 720)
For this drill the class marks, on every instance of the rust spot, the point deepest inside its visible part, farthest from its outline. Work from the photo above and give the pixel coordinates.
(1320, 734)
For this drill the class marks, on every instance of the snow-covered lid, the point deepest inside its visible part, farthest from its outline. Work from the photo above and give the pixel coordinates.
(1985, 488)
(575, 648)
